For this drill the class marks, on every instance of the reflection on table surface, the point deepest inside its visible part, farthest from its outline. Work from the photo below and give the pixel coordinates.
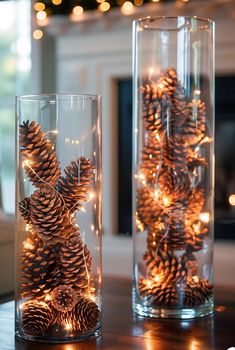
(123, 331)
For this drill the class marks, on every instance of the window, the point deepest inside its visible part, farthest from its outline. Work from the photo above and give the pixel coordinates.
(15, 66)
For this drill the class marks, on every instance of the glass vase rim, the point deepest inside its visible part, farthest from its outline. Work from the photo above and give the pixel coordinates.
(155, 18)
(36, 97)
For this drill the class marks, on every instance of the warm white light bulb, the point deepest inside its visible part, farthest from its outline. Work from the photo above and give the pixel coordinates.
(91, 195)
(127, 8)
(39, 6)
(47, 297)
(78, 10)
(25, 163)
(204, 217)
(68, 326)
(37, 34)
(41, 15)
(232, 199)
(157, 278)
(149, 283)
(166, 200)
(28, 245)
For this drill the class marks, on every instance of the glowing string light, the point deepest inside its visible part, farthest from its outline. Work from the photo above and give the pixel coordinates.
(71, 218)
(204, 217)
(68, 326)
(127, 8)
(41, 15)
(39, 6)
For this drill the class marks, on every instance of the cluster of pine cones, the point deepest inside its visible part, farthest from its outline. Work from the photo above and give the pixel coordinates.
(57, 280)
(171, 192)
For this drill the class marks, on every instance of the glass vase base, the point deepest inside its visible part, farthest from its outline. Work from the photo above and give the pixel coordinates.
(59, 340)
(161, 312)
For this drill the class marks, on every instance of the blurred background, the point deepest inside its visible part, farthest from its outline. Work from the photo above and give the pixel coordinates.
(85, 46)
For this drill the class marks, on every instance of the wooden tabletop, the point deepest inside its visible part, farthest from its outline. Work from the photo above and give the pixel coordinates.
(122, 331)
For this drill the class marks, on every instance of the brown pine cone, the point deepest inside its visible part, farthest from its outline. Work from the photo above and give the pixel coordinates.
(151, 160)
(178, 237)
(24, 208)
(149, 91)
(154, 112)
(166, 267)
(195, 127)
(76, 265)
(174, 183)
(168, 81)
(39, 152)
(40, 270)
(36, 317)
(195, 160)
(197, 292)
(158, 294)
(195, 205)
(148, 208)
(192, 264)
(155, 234)
(175, 151)
(198, 232)
(63, 298)
(174, 234)
(180, 109)
(76, 183)
(49, 215)
(85, 315)
(152, 149)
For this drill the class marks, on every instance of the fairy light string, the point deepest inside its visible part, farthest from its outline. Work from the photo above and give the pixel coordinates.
(69, 216)
(167, 184)
(76, 323)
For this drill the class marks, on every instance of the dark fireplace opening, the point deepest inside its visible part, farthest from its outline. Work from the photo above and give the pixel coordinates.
(224, 157)
(125, 156)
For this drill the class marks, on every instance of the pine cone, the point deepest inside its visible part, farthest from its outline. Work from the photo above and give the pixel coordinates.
(179, 236)
(168, 82)
(195, 205)
(148, 208)
(174, 183)
(84, 316)
(197, 292)
(192, 264)
(180, 109)
(39, 153)
(151, 159)
(195, 127)
(40, 270)
(175, 151)
(24, 208)
(195, 161)
(156, 232)
(76, 183)
(36, 317)
(63, 298)
(166, 267)
(49, 216)
(149, 91)
(154, 112)
(76, 265)
(198, 232)
(157, 294)
(171, 232)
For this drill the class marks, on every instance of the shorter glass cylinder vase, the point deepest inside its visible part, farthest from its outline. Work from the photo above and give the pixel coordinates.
(58, 217)
(173, 167)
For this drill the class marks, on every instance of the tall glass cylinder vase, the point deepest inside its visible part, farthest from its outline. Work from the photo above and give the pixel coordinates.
(173, 67)
(58, 217)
